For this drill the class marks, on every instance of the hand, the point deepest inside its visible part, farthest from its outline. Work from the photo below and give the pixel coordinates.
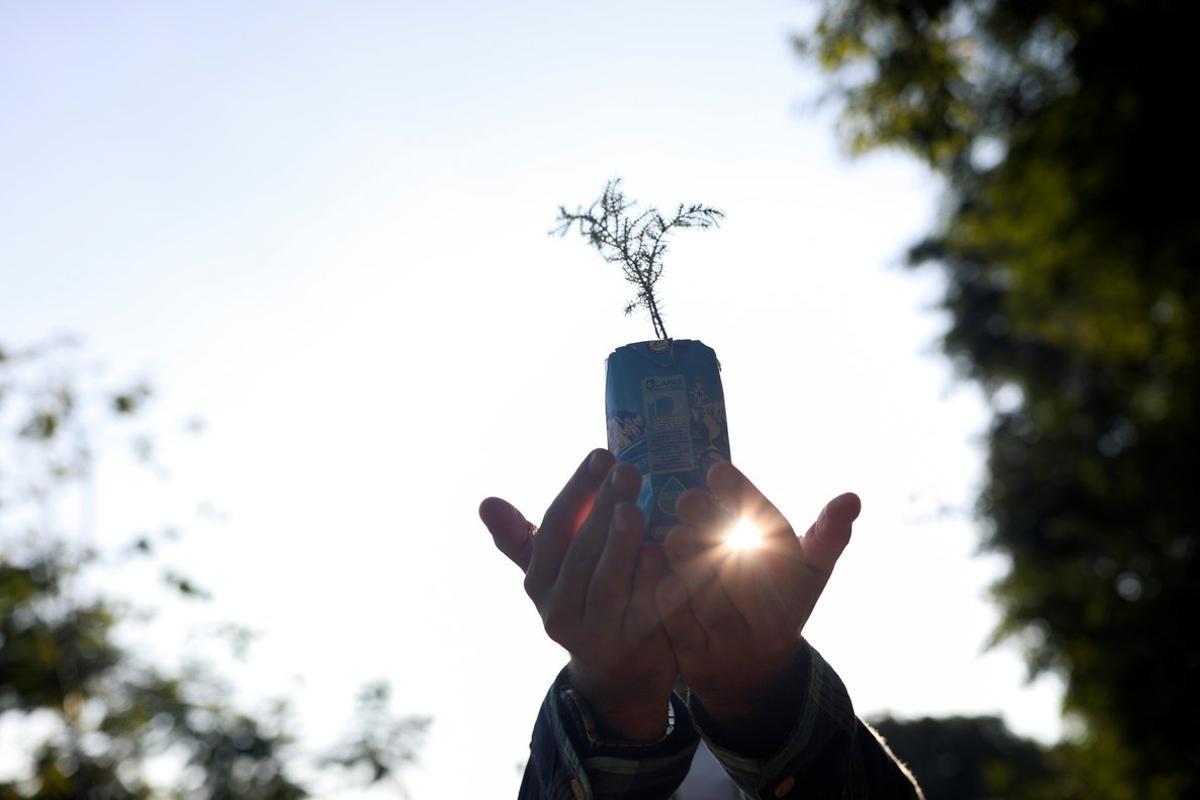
(593, 583)
(734, 617)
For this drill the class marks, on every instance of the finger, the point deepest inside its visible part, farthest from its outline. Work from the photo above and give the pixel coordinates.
(608, 594)
(820, 549)
(571, 588)
(511, 532)
(641, 615)
(687, 635)
(828, 536)
(562, 519)
(700, 510)
(693, 557)
(697, 564)
(735, 491)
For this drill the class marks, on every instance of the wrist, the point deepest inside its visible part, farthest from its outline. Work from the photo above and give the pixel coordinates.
(748, 692)
(753, 716)
(617, 713)
(632, 725)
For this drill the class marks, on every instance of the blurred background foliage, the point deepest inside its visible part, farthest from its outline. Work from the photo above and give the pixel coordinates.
(1068, 241)
(92, 718)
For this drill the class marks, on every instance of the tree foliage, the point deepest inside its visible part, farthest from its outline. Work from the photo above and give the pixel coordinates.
(977, 758)
(93, 719)
(1069, 245)
(637, 240)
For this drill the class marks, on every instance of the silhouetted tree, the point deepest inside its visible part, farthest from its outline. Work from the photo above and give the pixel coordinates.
(977, 758)
(1070, 245)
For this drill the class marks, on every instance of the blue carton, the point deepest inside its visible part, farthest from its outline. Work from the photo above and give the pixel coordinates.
(666, 416)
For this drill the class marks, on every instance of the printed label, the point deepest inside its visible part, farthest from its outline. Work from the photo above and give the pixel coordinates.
(668, 424)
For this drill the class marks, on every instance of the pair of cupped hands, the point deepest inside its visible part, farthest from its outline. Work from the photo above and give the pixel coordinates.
(634, 615)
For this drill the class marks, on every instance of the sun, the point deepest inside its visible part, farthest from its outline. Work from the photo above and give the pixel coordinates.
(744, 535)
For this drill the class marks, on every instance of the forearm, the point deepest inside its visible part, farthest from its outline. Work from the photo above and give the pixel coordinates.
(826, 751)
(571, 758)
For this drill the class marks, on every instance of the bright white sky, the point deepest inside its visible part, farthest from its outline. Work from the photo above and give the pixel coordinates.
(321, 227)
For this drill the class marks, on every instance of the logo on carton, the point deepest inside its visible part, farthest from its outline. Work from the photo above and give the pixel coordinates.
(665, 383)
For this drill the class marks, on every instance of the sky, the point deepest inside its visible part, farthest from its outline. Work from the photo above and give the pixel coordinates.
(321, 228)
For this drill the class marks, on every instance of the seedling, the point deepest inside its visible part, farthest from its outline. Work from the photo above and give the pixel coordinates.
(635, 239)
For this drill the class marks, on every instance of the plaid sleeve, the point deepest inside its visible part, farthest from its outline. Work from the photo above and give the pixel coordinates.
(569, 760)
(829, 752)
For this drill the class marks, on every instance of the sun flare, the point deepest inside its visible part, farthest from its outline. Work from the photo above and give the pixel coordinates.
(744, 535)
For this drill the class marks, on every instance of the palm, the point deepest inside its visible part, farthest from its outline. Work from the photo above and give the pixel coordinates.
(593, 580)
(735, 616)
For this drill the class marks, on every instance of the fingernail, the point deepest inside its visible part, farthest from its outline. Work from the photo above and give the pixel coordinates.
(622, 477)
(598, 463)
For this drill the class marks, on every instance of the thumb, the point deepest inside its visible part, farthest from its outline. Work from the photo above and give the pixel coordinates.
(511, 532)
(829, 535)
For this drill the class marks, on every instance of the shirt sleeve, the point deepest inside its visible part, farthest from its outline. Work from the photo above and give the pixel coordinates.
(569, 760)
(829, 752)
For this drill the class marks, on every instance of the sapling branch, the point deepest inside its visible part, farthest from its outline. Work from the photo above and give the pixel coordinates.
(635, 240)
